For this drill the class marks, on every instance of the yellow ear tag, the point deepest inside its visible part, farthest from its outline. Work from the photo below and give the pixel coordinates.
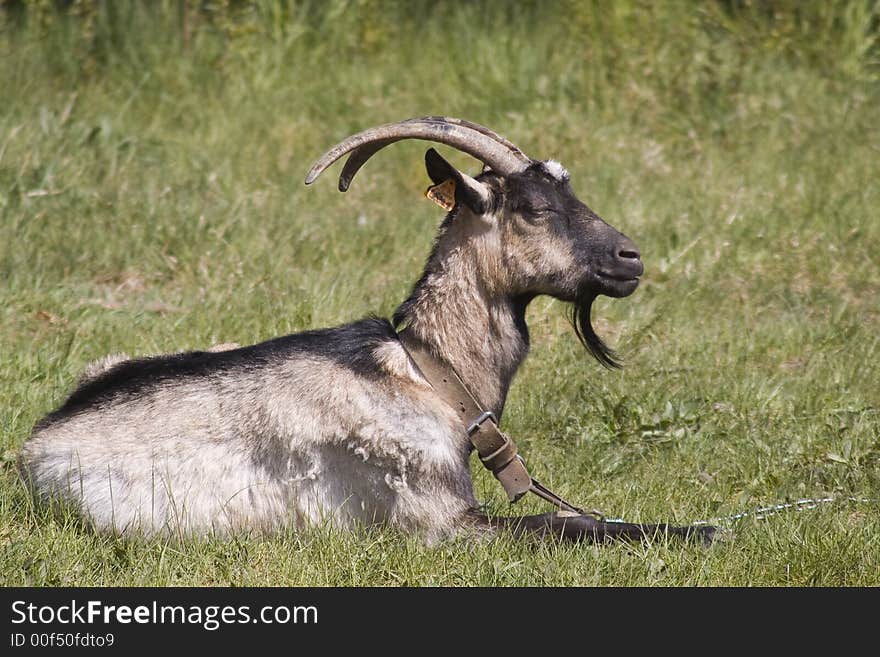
(443, 194)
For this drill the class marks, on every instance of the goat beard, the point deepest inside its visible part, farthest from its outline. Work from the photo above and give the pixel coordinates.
(583, 328)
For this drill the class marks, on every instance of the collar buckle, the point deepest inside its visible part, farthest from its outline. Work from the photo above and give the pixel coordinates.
(475, 425)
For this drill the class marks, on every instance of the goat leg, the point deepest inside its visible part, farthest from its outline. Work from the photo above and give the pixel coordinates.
(572, 527)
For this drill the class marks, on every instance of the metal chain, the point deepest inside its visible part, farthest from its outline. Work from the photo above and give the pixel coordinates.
(766, 511)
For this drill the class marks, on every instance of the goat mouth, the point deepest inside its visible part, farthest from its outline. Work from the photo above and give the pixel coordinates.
(614, 284)
(617, 277)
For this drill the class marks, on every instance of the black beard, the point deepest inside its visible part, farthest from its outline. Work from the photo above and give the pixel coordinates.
(580, 319)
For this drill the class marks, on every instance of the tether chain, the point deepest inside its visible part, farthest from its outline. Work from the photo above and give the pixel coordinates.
(764, 512)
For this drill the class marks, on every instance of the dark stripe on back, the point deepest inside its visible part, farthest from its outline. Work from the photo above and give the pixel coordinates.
(350, 346)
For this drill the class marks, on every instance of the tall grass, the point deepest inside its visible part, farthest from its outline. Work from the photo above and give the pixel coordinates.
(151, 199)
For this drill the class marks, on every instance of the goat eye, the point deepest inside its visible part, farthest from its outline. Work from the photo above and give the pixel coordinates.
(545, 211)
(539, 215)
(530, 210)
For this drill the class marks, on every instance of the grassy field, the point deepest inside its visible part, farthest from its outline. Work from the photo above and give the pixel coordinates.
(151, 200)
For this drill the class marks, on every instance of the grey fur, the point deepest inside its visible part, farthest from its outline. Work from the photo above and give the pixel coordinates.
(334, 425)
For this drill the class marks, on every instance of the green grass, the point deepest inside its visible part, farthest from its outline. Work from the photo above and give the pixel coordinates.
(151, 200)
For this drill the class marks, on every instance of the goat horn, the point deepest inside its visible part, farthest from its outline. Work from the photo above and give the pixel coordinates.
(475, 140)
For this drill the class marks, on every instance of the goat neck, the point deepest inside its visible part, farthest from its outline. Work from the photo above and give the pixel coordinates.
(462, 311)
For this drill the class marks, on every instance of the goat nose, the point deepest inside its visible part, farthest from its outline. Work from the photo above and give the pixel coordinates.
(626, 250)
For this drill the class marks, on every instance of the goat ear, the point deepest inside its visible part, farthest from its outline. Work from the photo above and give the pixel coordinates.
(451, 186)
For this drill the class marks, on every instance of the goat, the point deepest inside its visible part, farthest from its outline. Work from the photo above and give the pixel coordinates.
(340, 424)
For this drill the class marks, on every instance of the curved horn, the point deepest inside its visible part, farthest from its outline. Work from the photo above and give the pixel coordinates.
(471, 138)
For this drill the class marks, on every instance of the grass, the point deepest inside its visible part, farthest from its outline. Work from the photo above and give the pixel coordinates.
(151, 200)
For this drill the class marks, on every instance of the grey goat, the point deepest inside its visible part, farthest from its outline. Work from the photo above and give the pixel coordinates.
(340, 424)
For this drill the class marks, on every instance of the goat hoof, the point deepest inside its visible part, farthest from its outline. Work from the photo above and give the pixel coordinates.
(709, 534)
